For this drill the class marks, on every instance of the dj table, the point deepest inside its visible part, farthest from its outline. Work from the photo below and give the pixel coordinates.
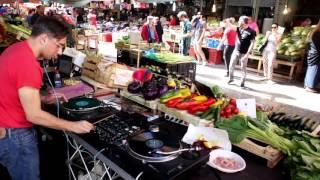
(125, 145)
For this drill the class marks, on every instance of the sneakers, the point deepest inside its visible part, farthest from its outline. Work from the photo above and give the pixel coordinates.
(312, 90)
(270, 82)
(204, 63)
(230, 81)
(242, 84)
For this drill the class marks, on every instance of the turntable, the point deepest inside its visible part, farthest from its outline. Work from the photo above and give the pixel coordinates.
(146, 145)
(85, 108)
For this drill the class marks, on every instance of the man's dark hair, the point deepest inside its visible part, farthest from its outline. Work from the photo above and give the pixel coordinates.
(50, 26)
(276, 24)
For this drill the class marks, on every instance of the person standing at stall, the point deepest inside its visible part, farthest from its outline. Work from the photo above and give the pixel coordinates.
(186, 32)
(92, 18)
(148, 31)
(173, 21)
(244, 45)
(270, 51)
(199, 31)
(312, 77)
(159, 28)
(20, 107)
(228, 40)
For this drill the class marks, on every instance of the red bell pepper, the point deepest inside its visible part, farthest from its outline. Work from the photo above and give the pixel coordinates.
(209, 102)
(187, 104)
(200, 108)
(173, 102)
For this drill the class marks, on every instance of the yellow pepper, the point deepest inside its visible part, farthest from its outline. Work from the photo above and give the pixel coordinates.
(200, 98)
(218, 103)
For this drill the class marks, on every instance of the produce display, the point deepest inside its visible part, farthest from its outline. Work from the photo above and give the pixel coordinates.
(208, 108)
(151, 87)
(303, 150)
(294, 43)
(259, 41)
(168, 57)
(293, 122)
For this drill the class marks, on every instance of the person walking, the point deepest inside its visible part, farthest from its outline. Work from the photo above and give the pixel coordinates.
(244, 45)
(313, 60)
(270, 51)
(20, 108)
(198, 35)
(228, 40)
(186, 32)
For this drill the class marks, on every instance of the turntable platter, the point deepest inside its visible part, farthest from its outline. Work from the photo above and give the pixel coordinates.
(82, 104)
(144, 146)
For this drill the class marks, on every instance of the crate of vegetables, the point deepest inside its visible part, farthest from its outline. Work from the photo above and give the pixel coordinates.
(196, 109)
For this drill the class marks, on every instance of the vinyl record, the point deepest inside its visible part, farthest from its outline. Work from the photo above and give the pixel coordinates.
(82, 104)
(144, 146)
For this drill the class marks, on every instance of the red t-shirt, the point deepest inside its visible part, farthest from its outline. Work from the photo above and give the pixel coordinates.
(231, 37)
(173, 22)
(18, 68)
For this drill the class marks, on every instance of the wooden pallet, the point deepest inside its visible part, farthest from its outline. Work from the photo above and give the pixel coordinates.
(272, 155)
(140, 100)
(185, 116)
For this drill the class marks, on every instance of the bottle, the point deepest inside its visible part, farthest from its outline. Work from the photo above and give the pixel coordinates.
(57, 80)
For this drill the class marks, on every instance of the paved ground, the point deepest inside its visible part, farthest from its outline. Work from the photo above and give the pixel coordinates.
(283, 96)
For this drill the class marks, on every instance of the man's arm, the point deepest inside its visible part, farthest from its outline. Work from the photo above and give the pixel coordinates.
(224, 38)
(204, 29)
(31, 103)
(250, 47)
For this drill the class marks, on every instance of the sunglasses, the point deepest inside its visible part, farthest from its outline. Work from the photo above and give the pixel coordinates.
(274, 27)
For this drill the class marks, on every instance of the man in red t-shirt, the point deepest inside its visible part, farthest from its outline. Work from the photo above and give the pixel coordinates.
(20, 103)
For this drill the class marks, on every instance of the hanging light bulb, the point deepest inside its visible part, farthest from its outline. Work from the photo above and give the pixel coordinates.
(286, 10)
(214, 8)
(154, 4)
(174, 7)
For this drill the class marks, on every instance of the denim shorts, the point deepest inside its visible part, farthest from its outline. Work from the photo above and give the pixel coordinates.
(19, 153)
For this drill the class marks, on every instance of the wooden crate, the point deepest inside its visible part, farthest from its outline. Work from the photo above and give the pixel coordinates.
(316, 132)
(90, 66)
(185, 116)
(88, 73)
(93, 83)
(140, 100)
(272, 155)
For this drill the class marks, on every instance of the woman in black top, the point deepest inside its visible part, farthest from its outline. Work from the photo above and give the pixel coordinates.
(313, 59)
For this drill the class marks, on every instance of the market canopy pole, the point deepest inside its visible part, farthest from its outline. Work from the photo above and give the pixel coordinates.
(255, 10)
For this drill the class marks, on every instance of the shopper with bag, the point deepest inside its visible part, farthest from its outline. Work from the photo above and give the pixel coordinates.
(313, 59)
(269, 51)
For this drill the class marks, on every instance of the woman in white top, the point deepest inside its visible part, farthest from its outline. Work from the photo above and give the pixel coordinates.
(270, 51)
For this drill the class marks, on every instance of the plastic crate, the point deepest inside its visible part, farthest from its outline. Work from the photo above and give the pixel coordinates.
(215, 56)
(212, 43)
(186, 71)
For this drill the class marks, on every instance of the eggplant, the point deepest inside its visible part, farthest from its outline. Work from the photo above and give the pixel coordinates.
(163, 89)
(134, 87)
(150, 90)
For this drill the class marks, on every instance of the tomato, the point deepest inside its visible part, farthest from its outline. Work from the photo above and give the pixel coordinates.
(228, 110)
(236, 111)
(233, 101)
